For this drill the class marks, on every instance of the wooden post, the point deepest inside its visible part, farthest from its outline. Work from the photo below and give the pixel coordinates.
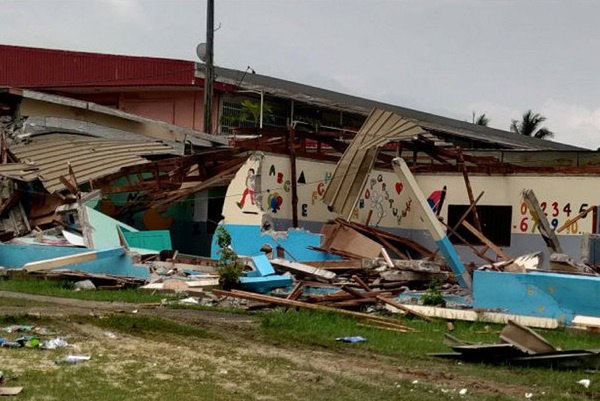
(463, 168)
(485, 240)
(292, 146)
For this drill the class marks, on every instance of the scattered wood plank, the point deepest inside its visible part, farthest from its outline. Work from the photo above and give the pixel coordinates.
(296, 292)
(472, 316)
(288, 302)
(300, 268)
(406, 309)
(485, 240)
(71, 259)
(570, 222)
(369, 326)
(361, 283)
(10, 390)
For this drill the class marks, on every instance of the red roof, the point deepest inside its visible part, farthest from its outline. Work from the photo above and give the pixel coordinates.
(27, 67)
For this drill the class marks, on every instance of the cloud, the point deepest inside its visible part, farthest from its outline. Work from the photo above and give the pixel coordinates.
(573, 123)
(126, 10)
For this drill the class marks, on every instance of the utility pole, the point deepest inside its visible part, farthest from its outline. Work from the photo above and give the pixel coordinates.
(209, 74)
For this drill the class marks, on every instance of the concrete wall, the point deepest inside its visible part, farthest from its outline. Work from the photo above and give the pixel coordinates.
(561, 196)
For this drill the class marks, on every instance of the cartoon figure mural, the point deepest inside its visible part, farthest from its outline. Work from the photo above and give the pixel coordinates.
(250, 186)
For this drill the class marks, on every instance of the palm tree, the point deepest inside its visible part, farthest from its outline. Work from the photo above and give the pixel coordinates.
(481, 119)
(529, 125)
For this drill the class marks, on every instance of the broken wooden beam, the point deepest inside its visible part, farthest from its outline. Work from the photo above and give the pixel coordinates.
(570, 222)
(404, 308)
(63, 261)
(485, 240)
(300, 268)
(288, 302)
(361, 283)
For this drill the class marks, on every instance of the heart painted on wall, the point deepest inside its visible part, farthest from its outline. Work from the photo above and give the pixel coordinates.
(399, 187)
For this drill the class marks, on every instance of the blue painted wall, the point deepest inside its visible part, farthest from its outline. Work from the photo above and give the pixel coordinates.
(247, 240)
(521, 244)
(15, 256)
(559, 296)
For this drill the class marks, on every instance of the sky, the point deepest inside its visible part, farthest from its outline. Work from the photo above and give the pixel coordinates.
(447, 57)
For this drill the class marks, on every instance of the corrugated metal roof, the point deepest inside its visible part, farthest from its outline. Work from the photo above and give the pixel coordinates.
(19, 171)
(90, 158)
(357, 161)
(162, 130)
(352, 104)
(43, 68)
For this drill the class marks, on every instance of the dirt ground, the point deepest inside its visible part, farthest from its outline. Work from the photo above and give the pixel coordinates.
(237, 357)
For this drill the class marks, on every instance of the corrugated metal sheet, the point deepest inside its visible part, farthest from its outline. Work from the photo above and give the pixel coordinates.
(27, 67)
(351, 172)
(90, 158)
(19, 171)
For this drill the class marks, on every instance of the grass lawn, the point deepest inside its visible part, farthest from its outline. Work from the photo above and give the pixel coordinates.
(267, 355)
(66, 289)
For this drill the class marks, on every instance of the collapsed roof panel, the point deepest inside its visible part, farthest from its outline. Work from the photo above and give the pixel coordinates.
(351, 172)
(90, 158)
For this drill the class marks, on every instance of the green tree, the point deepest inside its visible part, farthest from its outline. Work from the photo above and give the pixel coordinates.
(529, 125)
(481, 119)
(251, 110)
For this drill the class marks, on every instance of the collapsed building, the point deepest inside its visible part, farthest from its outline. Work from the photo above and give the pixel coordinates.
(278, 177)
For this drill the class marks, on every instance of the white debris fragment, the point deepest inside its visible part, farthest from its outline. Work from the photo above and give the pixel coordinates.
(584, 382)
(415, 381)
(463, 391)
(528, 395)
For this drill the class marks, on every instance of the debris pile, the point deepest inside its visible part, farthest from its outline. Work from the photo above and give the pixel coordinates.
(522, 346)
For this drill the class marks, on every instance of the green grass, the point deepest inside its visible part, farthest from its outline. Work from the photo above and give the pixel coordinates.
(63, 288)
(319, 330)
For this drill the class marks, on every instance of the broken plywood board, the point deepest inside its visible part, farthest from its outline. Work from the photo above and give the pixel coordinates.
(473, 316)
(345, 239)
(300, 268)
(525, 339)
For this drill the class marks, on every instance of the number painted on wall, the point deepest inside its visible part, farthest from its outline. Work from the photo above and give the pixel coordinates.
(557, 217)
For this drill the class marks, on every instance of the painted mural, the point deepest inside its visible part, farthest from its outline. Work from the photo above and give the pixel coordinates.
(266, 180)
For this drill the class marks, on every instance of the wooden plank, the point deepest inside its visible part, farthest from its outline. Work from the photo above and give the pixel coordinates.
(485, 240)
(71, 259)
(10, 390)
(525, 339)
(361, 283)
(406, 309)
(473, 316)
(475, 250)
(467, 212)
(353, 292)
(296, 267)
(569, 222)
(369, 326)
(296, 292)
(288, 302)
(463, 169)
